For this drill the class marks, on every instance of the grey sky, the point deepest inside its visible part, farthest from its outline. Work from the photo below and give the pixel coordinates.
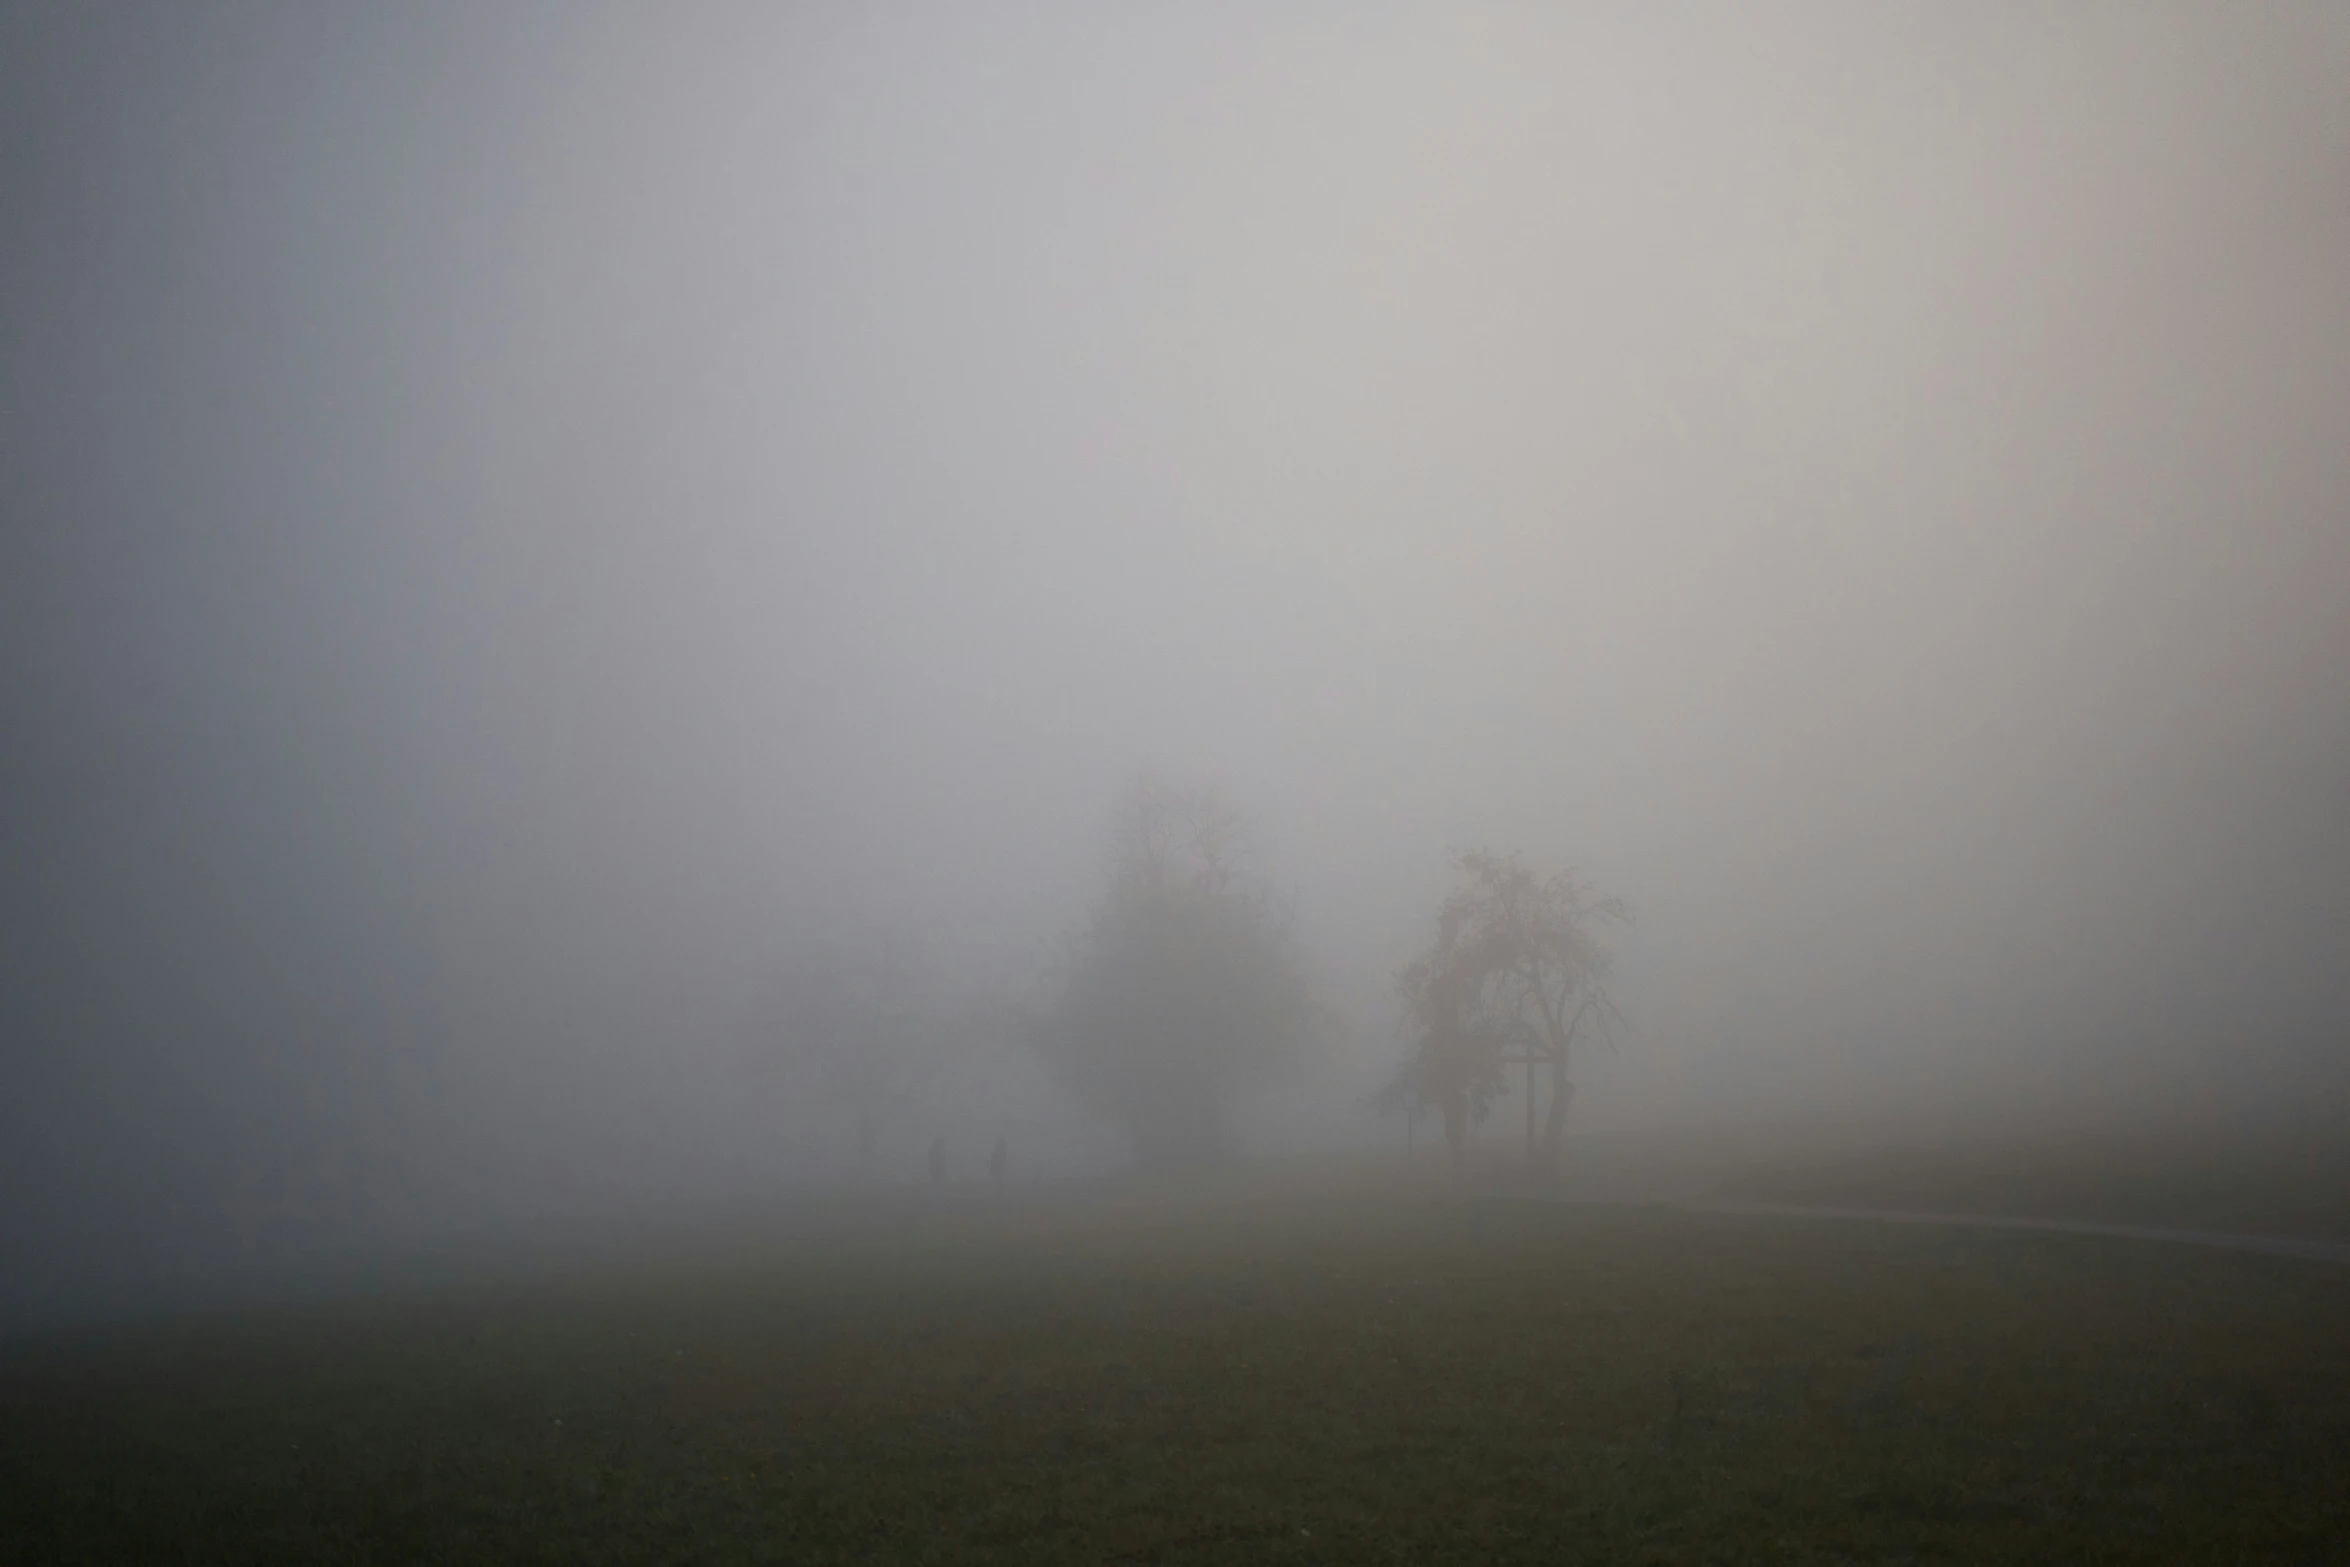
(518, 513)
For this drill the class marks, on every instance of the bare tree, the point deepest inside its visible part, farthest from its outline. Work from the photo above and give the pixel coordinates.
(1517, 976)
(1459, 1046)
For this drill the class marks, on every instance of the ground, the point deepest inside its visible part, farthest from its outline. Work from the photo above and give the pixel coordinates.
(1358, 1373)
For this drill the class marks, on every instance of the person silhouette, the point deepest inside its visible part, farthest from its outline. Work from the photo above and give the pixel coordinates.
(938, 1161)
(999, 1163)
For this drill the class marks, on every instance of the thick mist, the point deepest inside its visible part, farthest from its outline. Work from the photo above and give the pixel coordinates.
(521, 519)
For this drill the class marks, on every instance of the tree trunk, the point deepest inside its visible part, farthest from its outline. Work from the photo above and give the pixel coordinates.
(1456, 1128)
(1562, 1039)
(1554, 1130)
(1530, 1098)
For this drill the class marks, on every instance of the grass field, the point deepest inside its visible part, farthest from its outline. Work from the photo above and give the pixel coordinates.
(1367, 1374)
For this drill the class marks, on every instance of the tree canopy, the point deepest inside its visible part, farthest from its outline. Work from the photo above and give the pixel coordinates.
(1184, 985)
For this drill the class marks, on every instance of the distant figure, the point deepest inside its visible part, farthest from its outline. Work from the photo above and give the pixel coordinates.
(938, 1161)
(999, 1163)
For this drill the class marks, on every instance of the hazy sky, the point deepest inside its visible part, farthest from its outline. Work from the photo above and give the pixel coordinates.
(518, 514)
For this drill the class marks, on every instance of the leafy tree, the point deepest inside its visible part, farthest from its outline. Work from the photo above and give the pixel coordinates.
(1184, 986)
(1517, 975)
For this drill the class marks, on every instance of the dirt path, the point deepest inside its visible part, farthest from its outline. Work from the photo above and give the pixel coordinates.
(2314, 1248)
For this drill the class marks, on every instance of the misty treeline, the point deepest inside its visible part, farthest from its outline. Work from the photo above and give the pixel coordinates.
(1187, 987)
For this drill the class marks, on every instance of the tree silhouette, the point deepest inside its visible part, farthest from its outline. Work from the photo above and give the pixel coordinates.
(1183, 986)
(1517, 975)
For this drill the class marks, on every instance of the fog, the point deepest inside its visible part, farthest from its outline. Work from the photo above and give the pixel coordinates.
(522, 519)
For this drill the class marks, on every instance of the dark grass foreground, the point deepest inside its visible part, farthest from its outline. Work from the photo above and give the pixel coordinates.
(1357, 1377)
